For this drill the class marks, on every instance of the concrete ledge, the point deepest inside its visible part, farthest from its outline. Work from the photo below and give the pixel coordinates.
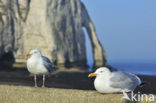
(25, 94)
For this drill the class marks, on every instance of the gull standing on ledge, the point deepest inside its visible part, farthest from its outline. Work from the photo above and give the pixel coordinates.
(111, 82)
(38, 65)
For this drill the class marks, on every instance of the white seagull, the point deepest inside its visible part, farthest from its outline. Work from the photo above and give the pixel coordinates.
(116, 81)
(38, 65)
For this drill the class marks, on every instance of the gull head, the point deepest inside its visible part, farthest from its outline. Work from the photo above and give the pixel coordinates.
(34, 52)
(100, 71)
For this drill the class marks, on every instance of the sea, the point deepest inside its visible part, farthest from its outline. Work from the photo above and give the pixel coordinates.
(133, 67)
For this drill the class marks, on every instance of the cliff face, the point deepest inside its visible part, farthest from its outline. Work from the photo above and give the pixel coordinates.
(53, 26)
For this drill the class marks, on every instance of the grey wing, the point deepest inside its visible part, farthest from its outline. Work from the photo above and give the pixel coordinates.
(47, 63)
(124, 80)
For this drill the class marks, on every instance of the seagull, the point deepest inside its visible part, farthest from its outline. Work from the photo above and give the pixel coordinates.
(115, 81)
(38, 65)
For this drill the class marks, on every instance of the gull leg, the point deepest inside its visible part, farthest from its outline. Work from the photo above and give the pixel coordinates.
(35, 78)
(43, 81)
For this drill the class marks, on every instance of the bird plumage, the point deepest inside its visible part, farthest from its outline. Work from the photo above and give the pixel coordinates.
(115, 81)
(38, 64)
(124, 80)
(47, 63)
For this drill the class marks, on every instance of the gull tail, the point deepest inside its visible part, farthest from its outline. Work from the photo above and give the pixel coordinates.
(143, 84)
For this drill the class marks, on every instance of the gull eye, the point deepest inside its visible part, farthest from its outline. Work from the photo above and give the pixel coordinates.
(101, 71)
(35, 52)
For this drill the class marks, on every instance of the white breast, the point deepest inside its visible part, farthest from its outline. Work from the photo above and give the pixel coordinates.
(102, 85)
(35, 66)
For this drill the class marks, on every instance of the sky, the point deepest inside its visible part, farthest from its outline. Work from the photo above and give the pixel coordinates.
(125, 28)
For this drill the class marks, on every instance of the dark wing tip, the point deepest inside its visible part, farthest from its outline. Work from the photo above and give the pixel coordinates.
(143, 84)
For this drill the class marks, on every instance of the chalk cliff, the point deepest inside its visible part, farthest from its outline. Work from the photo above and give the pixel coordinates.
(53, 26)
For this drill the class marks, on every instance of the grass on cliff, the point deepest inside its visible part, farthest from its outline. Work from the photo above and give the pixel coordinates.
(26, 94)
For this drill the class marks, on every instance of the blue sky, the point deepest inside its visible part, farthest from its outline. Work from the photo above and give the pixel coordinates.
(126, 28)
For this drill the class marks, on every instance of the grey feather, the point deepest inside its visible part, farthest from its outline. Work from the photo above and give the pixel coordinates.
(47, 63)
(123, 80)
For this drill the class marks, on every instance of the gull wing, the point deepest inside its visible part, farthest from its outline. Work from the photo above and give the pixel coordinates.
(47, 63)
(124, 80)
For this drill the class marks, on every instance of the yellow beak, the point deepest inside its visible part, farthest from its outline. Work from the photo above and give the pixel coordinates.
(28, 55)
(92, 75)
